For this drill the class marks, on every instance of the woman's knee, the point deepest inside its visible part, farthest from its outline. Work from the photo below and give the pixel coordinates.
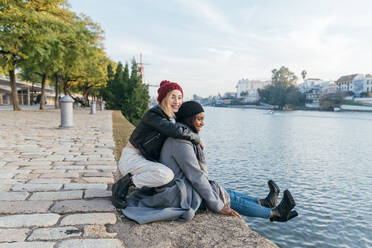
(166, 175)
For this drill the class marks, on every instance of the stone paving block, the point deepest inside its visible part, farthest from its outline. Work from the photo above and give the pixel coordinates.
(24, 207)
(13, 181)
(105, 151)
(36, 187)
(2, 163)
(49, 181)
(51, 170)
(13, 196)
(55, 233)
(68, 167)
(15, 169)
(8, 167)
(61, 195)
(28, 220)
(7, 159)
(61, 163)
(98, 174)
(31, 163)
(94, 157)
(28, 245)
(89, 219)
(102, 167)
(76, 159)
(107, 180)
(26, 176)
(55, 158)
(104, 163)
(43, 159)
(84, 186)
(60, 175)
(90, 243)
(7, 175)
(95, 205)
(97, 231)
(95, 193)
(5, 187)
(13, 235)
(82, 171)
(36, 153)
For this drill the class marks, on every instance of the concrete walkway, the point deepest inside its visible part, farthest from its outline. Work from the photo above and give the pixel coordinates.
(54, 182)
(25, 107)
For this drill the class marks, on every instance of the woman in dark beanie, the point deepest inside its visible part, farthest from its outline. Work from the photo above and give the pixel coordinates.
(139, 159)
(191, 189)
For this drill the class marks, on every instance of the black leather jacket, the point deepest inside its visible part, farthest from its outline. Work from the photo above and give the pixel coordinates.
(154, 128)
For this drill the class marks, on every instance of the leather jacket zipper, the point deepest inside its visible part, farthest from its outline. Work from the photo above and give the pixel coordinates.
(151, 139)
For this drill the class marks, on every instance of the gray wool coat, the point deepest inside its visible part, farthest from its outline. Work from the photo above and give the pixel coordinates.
(181, 198)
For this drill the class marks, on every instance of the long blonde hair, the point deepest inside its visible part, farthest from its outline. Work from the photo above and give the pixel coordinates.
(166, 107)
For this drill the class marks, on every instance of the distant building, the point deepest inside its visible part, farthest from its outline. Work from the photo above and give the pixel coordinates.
(359, 84)
(368, 85)
(247, 89)
(314, 88)
(27, 92)
(362, 84)
(345, 83)
(308, 84)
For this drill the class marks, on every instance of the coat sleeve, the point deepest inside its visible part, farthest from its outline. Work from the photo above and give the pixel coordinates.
(169, 129)
(185, 157)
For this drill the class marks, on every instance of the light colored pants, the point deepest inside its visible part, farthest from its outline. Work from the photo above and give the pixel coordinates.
(144, 172)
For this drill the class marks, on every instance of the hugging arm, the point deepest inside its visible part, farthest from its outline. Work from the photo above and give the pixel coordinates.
(169, 129)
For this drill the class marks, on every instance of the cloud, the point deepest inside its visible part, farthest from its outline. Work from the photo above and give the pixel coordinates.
(208, 46)
(208, 14)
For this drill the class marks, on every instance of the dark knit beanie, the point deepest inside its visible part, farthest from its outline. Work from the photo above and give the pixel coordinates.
(188, 109)
(165, 87)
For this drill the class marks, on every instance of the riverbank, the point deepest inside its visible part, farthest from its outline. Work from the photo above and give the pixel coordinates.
(205, 230)
(352, 108)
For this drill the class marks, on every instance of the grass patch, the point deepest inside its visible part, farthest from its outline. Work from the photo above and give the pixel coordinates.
(122, 129)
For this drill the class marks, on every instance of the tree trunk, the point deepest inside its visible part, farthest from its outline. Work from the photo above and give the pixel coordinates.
(14, 90)
(57, 93)
(66, 89)
(86, 93)
(42, 98)
(32, 94)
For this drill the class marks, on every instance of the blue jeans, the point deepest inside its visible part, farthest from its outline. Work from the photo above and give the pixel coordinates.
(247, 205)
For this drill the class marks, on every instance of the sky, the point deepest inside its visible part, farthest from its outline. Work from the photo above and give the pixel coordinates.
(207, 46)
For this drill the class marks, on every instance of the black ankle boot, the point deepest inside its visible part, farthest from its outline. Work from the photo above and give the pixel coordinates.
(283, 211)
(272, 197)
(120, 190)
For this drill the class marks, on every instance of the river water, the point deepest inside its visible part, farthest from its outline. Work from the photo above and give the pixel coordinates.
(323, 158)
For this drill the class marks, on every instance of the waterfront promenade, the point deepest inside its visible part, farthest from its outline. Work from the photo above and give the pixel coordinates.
(54, 183)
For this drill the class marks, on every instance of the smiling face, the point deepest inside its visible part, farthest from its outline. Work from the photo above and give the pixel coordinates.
(175, 100)
(198, 122)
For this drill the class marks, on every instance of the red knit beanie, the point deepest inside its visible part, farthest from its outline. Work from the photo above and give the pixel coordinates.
(165, 87)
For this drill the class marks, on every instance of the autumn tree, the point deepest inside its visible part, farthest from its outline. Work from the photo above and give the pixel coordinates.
(24, 29)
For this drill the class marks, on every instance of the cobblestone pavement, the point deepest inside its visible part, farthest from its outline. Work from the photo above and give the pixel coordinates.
(54, 182)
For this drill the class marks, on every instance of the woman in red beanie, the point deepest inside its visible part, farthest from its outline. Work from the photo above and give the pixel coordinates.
(139, 159)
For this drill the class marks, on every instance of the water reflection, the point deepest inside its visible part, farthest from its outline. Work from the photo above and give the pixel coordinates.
(323, 158)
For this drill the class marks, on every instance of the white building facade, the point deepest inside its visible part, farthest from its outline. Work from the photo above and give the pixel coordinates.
(308, 84)
(247, 89)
